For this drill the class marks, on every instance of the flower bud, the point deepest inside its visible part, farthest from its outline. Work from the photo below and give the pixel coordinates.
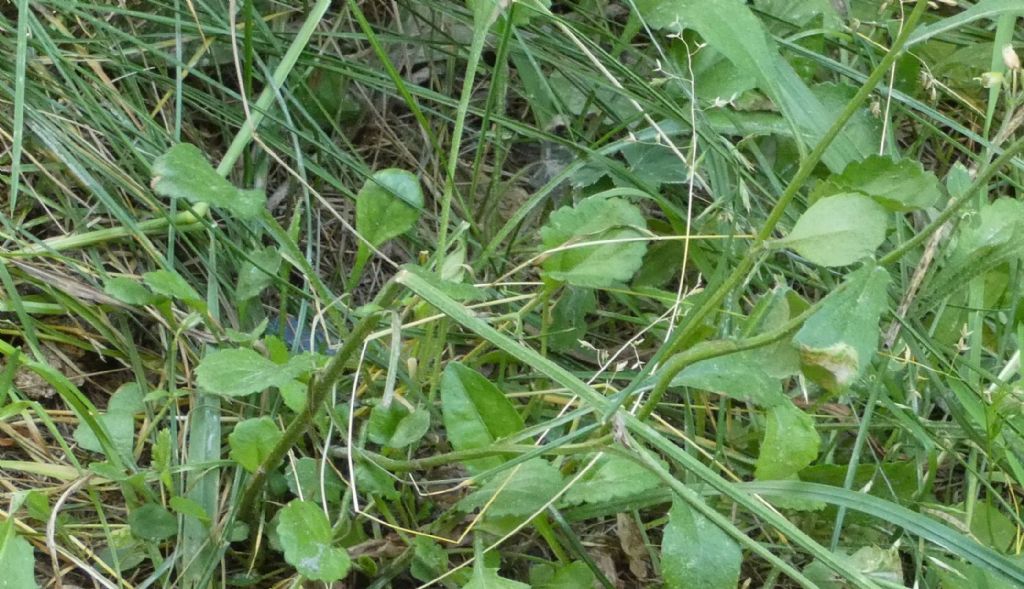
(1010, 58)
(991, 79)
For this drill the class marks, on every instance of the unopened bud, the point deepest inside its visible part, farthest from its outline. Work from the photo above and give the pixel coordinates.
(1010, 58)
(991, 79)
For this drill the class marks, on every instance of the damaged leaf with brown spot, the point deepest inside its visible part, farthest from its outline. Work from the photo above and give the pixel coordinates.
(838, 341)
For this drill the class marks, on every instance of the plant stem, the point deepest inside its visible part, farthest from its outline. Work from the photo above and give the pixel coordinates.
(713, 349)
(435, 460)
(747, 263)
(647, 433)
(979, 183)
(319, 388)
(473, 62)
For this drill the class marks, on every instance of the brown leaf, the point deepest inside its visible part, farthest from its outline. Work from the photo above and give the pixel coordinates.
(631, 538)
(605, 561)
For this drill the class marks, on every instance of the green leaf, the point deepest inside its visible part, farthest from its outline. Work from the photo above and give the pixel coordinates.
(429, 559)
(988, 9)
(410, 429)
(38, 506)
(961, 575)
(121, 428)
(190, 508)
(523, 489)
(893, 514)
(655, 163)
(325, 96)
(574, 575)
(306, 476)
(696, 554)
(717, 80)
(388, 205)
(568, 318)
(730, 27)
(878, 564)
(733, 375)
(257, 273)
(152, 522)
(171, 284)
(778, 360)
(252, 440)
(863, 131)
(484, 577)
(294, 394)
(838, 341)
(384, 421)
(798, 12)
(183, 172)
(307, 540)
(991, 527)
(898, 186)
(544, 365)
(129, 550)
(16, 560)
(374, 481)
(594, 219)
(790, 442)
(129, 291)
(476, 413)
(396, 426)
(958, 180)
(119, 421)
(995, 225)
(838, 230)
(984, 241)
(236, 372)
(613, 477)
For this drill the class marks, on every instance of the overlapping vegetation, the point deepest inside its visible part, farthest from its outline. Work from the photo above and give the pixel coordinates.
(490, 294)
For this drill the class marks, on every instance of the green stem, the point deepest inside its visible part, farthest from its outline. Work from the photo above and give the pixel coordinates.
(979, 183)
(319, 388)
(475, 50)
(854, 462)
(713, 349)
(20, 60)
(692, 498)
(793, 188)
(543, 527)
(356, 274)
(435, 460)
(642, 430)
(393, 73)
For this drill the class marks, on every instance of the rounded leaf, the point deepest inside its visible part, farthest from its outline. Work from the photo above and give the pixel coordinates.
(388, 205)
(305, 535)
(902, 185)
(184, 172)
(697, 553)
(521, 490)
(236, 372)
(152, 522)
(476, 413)
(596, 219)
(790, 442)
(251, 441)
(838, 230)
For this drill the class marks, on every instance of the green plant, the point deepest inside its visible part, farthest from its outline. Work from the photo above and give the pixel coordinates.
(506, 294)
